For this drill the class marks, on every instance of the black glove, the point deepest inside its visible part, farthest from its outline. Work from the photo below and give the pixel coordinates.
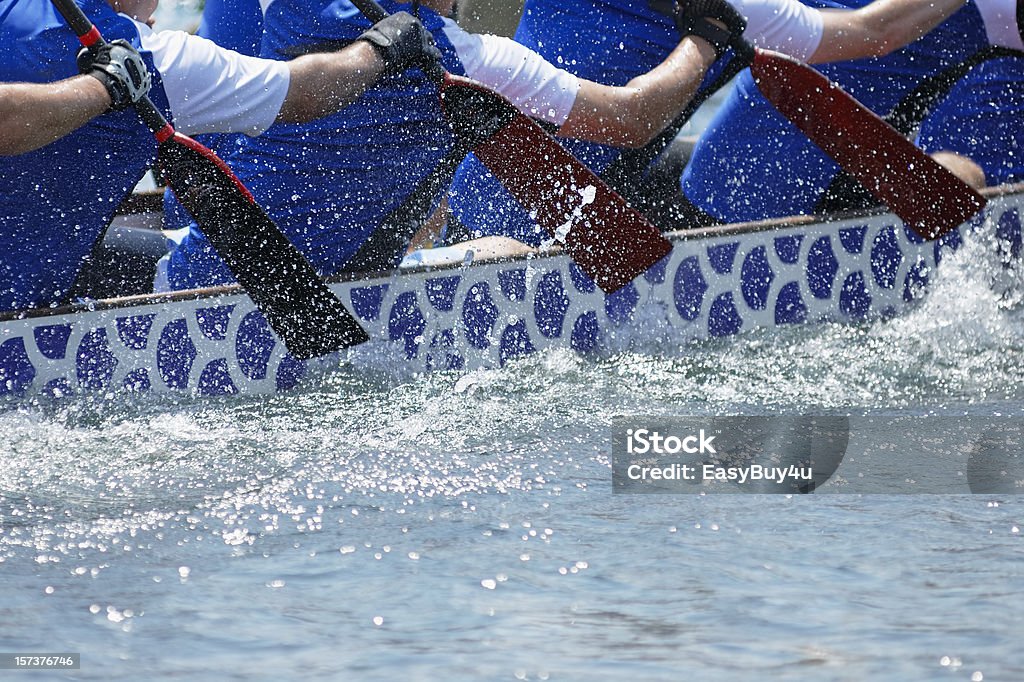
(402, 42)
(692, 19)
(121, 70)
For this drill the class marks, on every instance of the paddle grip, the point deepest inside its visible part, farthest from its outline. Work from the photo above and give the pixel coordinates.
(372, 10)
(90, 37)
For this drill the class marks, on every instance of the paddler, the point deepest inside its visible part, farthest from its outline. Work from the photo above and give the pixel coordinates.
(753, 164)
(613, 40)
(55, 201)
(329, 184)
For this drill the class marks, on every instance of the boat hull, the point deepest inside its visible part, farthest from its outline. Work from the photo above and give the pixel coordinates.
(720, 282)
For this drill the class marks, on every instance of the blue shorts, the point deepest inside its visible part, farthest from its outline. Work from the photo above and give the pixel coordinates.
(983, 118)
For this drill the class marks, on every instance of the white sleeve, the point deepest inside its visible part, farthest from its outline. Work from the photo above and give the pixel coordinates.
(214, 90)
(1000, 17)
(534, 85)
(786, 26)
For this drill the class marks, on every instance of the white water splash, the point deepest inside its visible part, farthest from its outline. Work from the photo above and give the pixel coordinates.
(588, 194)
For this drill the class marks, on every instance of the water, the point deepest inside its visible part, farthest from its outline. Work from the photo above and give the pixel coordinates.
(381, 526)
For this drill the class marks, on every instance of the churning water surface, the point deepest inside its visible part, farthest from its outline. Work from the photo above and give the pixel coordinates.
(381, 526)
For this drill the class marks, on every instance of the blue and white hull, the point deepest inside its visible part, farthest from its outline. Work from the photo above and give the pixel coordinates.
(717, 282)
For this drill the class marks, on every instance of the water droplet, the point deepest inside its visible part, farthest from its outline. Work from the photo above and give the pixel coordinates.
(488, 583)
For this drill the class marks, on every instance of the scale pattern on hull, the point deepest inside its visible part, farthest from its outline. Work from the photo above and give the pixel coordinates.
(487, 314)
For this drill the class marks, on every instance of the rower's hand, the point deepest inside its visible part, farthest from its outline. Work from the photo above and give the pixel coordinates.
(402, 42)
(121, 70)
(716, 21)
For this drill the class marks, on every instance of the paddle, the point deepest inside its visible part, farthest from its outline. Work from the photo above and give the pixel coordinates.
(303, 311)
(929, 199)
(607, 238)
(626, 173)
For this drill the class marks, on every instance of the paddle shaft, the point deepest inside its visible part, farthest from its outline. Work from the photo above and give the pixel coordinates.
(625, 174)
(90, 37)
(608, 239)
(282, 284)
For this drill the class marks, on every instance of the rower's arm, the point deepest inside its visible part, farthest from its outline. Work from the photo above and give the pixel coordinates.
(321, 84)
(33, 115)
(632, 115)
(879, 28)
(214, 90)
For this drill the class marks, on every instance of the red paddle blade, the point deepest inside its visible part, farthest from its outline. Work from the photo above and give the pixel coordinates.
(607, 238)
(928, 198)
(298, 305)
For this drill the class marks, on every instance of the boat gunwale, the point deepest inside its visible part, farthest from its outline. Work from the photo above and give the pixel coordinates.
(684, 235)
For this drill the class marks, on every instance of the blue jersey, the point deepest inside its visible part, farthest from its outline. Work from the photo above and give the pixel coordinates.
(236, 25)
(606, 41)
(983, 118)
(55, 202)
(752, 163)
(329, 183)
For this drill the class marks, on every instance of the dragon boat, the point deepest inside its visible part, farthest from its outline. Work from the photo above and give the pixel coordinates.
(483, 312)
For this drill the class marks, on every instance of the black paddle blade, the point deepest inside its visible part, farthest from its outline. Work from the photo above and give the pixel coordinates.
(298, 305)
